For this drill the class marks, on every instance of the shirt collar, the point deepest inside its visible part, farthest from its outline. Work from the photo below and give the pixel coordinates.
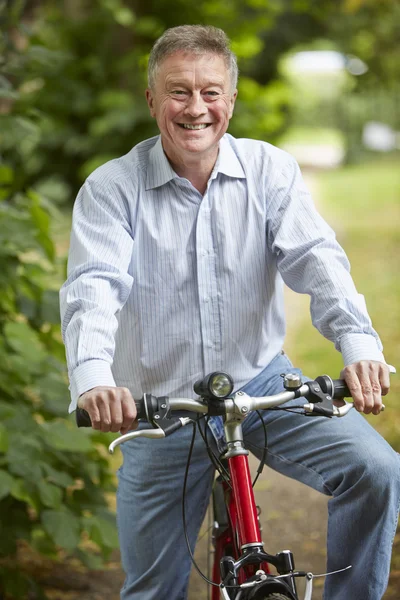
(159, 170)
(227, 161)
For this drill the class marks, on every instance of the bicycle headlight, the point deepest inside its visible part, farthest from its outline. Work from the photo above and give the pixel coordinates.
(216, 385)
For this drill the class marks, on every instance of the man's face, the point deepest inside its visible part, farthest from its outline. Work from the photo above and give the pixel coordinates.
(192, 101)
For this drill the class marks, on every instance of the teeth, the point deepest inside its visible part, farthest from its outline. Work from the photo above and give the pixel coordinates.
(188, 126)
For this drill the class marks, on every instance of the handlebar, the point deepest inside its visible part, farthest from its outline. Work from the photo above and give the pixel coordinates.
(157, 410)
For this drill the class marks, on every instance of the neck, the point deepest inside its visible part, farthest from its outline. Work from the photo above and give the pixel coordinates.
(195, 169)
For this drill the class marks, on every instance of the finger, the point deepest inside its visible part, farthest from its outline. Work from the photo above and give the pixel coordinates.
(368, 394)
(129, 412)
(87, 401)
(384, 378)
(115, 401)
(377, 395)
(103, 404)
(353, 383)
(368, 373)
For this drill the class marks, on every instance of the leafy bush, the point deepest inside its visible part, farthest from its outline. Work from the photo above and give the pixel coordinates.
(53, 478)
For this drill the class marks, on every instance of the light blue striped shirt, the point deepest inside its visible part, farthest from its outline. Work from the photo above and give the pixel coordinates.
(165, 285)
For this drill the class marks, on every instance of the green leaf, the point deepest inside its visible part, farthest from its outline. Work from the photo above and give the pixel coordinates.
(24, 458)
(7, 411)
(115, 99)
(3, 439)
(8, 94)
(59, 436)
(58, 477)
(50, 307)
(16, 232)
(21, 490)
(46, 60)
(50, 494)
(19, 132)
(41, 542)
(91, 561)
(54, 393)
(6, 482)
(55, 189)
(124, 16)
(6, 175)
(41, 220)
(102, 531)
(62, 527)
(25, 342)
(247, 46)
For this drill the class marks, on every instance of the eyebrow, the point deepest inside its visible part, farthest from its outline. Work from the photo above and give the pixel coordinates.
(183, 83)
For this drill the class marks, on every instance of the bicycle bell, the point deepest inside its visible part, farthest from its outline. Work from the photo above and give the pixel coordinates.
(292, 381)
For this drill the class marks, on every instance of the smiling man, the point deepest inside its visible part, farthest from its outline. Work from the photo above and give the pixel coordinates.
(178, 255)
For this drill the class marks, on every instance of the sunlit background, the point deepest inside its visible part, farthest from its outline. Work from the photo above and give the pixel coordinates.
(318, 79)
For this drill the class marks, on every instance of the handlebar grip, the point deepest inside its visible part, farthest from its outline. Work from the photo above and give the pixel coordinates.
(340, 389)
(83, 417)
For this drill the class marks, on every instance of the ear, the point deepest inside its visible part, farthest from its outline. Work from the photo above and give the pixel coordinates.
(150, 102)
(232, 103)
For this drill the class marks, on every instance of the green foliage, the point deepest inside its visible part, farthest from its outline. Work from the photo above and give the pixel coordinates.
(53, 480)
(261, 110)
(77, 86)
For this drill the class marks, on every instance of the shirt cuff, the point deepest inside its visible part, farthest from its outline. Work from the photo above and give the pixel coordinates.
(360, 346)
(88, 375)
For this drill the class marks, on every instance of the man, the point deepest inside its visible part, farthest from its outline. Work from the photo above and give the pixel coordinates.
(177, 256)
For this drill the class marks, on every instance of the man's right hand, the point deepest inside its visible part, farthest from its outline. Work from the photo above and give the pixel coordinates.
(110, 408)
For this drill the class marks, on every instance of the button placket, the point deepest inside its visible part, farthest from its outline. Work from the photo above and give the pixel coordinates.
(207, 287)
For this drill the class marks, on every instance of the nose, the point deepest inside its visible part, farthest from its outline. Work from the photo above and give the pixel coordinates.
(196, 106)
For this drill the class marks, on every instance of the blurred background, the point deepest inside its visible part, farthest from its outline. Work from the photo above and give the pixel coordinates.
(319, 79)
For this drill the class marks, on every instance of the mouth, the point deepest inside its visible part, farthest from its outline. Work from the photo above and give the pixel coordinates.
(194, 127)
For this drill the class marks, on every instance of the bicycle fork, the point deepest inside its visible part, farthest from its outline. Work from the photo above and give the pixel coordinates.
(239, 551)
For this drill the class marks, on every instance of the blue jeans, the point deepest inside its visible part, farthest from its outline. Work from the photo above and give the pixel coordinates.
(345, 459)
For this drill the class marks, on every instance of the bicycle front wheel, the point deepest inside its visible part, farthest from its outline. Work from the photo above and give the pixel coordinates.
(275, 596)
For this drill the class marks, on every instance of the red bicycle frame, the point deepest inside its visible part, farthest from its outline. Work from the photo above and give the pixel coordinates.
(243, 530)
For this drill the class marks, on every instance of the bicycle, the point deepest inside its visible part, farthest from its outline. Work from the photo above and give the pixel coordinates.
(242, 568)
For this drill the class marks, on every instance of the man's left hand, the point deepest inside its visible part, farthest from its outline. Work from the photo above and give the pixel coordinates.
(368, 381)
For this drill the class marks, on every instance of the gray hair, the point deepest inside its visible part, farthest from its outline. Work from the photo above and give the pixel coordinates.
(192, 39)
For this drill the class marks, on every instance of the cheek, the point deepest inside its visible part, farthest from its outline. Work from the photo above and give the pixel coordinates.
(168, 112)
(224, 112)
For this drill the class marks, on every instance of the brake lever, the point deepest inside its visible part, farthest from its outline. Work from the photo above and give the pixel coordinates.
(338, 411)
(161, 428)
(149, 433)
(313, 410)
